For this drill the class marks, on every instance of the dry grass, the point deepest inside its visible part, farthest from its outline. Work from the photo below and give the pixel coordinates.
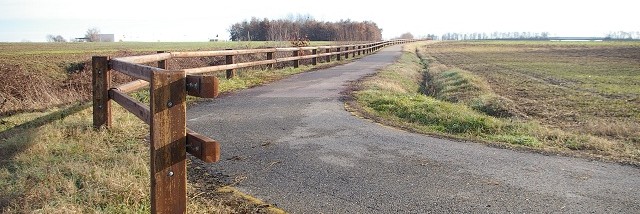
(54, 162)
(582, 88)
(63, 166)
(489, 92)
(60, 165)
(457, 85)
(394, 95)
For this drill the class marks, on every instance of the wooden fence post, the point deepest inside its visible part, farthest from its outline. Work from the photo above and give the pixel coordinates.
(338, 57)
(162, 63)
(354, 52)
(168, 142)
(296, 63)
(270, 57)
(314, 60)
(346, 55)
(328, 58)
(231, 73)
(101, 83)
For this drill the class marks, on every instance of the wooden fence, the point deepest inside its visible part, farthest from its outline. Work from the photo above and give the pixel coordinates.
(170, 139)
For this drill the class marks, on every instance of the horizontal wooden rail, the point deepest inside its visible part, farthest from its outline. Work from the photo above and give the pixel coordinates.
(132, 105)
(219, 53)
(202, 86)
(226, 67)
(190, 54)
(135, 70)
(202, 147)
(132, 86)
(296, 49)
(146, 58)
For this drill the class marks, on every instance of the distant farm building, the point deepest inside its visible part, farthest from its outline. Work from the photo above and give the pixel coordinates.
(106, 38)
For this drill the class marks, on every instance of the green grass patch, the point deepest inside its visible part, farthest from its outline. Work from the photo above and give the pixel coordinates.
(456, 101)
(456, 85)
(461, 86)
(60, 164)
(394, 94)
(435, 114)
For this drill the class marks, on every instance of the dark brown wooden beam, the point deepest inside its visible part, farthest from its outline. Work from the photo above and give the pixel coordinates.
(168, 142)
(101, 82)
(203, 147)
(202, 86)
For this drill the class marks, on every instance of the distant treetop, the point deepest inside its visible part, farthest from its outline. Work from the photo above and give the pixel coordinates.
(309, 28)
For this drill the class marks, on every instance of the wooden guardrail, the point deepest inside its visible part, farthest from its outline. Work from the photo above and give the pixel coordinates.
(166, 113)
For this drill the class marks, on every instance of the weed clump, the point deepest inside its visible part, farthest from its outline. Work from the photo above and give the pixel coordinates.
(461, 86)
(493, 105)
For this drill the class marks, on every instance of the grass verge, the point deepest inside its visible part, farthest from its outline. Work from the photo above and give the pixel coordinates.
(461, 105)
(54, 162)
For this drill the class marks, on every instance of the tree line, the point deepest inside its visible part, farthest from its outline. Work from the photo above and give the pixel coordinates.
(623, 35)
(58, 38)
(494, 35)
(304, 28)
(618, 35)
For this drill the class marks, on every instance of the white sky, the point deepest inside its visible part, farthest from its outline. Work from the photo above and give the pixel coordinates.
(196, 20)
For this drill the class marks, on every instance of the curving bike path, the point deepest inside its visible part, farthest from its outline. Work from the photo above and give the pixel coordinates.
(291, 143)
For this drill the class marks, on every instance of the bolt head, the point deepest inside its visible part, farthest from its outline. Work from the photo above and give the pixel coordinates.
(170, 174)
(169, 104)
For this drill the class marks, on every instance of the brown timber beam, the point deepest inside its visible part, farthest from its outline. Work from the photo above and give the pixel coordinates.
(296, 63)
(314, 60)
(101, 82)
(231, 73)
(168, 142)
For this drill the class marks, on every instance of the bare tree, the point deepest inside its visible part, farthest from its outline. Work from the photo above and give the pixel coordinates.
(406, 35)
(92, 35)
(58, 38)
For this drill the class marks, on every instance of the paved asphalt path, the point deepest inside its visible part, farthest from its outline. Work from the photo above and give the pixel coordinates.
(291, 143)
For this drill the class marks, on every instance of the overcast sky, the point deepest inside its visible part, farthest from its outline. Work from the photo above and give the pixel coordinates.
(196, 20)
